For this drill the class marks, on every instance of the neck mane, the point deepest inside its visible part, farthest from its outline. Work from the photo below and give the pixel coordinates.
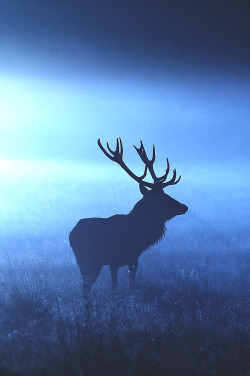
(147, 224)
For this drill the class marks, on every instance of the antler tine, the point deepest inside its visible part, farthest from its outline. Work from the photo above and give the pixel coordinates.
(172, 181)
(116, 151)
(177, 181)
(143, 155)
(104, 151)
(140, 151)
(164, 177)
(148, 162)
(145, 173)
(153, 157)
(121, 147)
(110, 150)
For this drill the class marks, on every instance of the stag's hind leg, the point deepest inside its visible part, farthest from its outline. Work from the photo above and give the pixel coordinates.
(132, 269)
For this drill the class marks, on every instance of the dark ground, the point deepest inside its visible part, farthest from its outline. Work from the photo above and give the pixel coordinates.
(189, 314)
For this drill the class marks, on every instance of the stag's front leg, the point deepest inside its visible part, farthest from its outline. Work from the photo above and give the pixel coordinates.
(132, 269)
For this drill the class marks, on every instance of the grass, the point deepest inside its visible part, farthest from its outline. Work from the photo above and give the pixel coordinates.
(189, 314)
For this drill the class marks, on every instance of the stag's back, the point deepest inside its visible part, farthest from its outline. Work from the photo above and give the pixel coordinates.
(119, 239)
(104, 239)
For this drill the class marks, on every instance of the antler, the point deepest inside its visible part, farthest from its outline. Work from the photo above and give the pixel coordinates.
(117, 155)
(159, 182)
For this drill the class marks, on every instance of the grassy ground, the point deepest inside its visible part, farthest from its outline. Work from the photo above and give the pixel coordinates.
(189, 314)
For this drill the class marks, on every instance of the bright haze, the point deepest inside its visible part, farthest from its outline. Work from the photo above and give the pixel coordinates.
(174, 74)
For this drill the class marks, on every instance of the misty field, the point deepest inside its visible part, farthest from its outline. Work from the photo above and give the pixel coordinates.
(189, 312)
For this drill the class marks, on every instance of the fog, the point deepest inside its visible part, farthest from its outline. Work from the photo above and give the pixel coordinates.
(53, 173)
(195, 119)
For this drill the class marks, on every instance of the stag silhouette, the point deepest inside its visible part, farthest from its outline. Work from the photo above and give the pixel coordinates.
(119, 240)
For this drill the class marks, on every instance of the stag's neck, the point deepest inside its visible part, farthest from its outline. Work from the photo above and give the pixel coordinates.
(147, 218)
(149, 228)
(147, 213)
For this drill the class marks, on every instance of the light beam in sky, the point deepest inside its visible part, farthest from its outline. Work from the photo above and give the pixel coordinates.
(59, 118)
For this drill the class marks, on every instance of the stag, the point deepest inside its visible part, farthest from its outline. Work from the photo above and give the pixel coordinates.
(119, 240)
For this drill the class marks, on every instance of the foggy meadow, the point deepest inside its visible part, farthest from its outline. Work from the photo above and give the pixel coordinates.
(189, 311)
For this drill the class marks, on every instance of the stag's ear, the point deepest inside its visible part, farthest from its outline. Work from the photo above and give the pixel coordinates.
(143, 189)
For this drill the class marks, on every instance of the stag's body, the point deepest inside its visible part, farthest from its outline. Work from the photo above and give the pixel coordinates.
(115, 241)
(119, 240)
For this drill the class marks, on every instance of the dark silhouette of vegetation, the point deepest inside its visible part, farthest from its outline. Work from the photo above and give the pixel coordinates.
(120, 239)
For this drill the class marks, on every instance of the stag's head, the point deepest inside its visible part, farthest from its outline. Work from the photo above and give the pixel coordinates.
(155, 200)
